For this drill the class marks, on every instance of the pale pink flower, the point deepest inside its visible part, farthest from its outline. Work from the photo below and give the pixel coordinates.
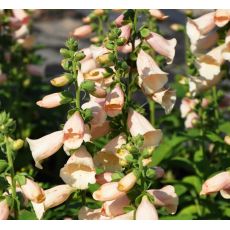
(187, 106)
(108, 191)
(54, 197)
(79, 170)
(151, 77)
(219, 182)
(162, 46)
(99, 114)
(21, 15)
(46, 146)
(165, 197)
(21, 32)
(191, 120)
(100, 130)
(4, 210)
(34, 70)
(88, 65)
(126, 216)
(50, 101)
(200, 84)
(115, 207)
(32, 191)
(104, 178)
(114, 102)
(88, 53)
(227, 140)
(82, 31)
(226, 51)
(139, 125)
(74, 132)
(166, 98)
(119, 20)
(86, 213)
(200, 26)
(125, 32)
(127, 182)
(209, 65)
(146, 210)
(158, 14)
(222, 17)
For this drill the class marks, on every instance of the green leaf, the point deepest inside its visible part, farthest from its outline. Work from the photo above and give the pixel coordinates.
(27, 215)
(194, 181)
(184, 163)
(145, 32)
(117, 176)
(180, 189)
(93, 187)
(165, 149)
(225, 128)
(21, 179)
(214, 137)
(3, 165)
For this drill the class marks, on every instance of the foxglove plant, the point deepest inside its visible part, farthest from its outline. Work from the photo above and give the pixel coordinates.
(120, 175)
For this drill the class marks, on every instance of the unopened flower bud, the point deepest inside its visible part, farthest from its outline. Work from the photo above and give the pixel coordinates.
(95, 39)
(62, 80)
(105, 59)
(227, 140)
(88, 86)
(176, 27)
(18, 144)
(86, 20)
(127, 182)
(99, 12)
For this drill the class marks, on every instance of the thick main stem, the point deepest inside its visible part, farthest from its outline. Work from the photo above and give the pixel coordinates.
(152, 111)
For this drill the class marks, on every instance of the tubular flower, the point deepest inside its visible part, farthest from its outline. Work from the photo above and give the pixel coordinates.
(219, 182)
(46, 146)
(166, 98)
(32, 191)
(158, 14)
(74, 132)
(125, 32)
(127, 182)
(146, 210)
(187, 106)
(107, 158)
(115, 207)
(126, 216)
(165, 197)
(222, 17)
(209, 65)
(86, 213)
(54, 197)
(162, 46)
(200, 84)
(50, 101)
(21, 15)
(4, 210)
(108, 191)
(82, 31)
(99, 114)
(79, 170)
(114, 102)
(191, 120)
(198, 27)
(88, 65)
(226, 51)
(151, 77)
(139, 125)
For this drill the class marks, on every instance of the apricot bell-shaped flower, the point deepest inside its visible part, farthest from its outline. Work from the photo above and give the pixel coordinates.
(165, 197)
(73, 132)
(79, 170)
(139, 125)
(162, 46)
(151, 77)
(4, 210)
(219, 182)
(46, 146)
(146, 210)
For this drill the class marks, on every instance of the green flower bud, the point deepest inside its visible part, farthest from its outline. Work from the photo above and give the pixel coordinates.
(88, 86)
(62, 80)
(79, 56)
(151, 173)
(18, 144)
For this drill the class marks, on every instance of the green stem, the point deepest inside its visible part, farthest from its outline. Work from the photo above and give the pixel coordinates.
(152, 111)
(214, 93)
(9, 153)
(83, 197)
(77, 89)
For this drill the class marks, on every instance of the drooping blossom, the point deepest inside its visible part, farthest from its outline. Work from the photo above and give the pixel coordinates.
(158, 14)
(191, 120)
(139, 125)
(187, 106)
(218, 183)
(79, 170)
(146, 210)
(46, 146)
(4, 210)
(165, 197)
(162, 46)
(82, 31)
(50, 101)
